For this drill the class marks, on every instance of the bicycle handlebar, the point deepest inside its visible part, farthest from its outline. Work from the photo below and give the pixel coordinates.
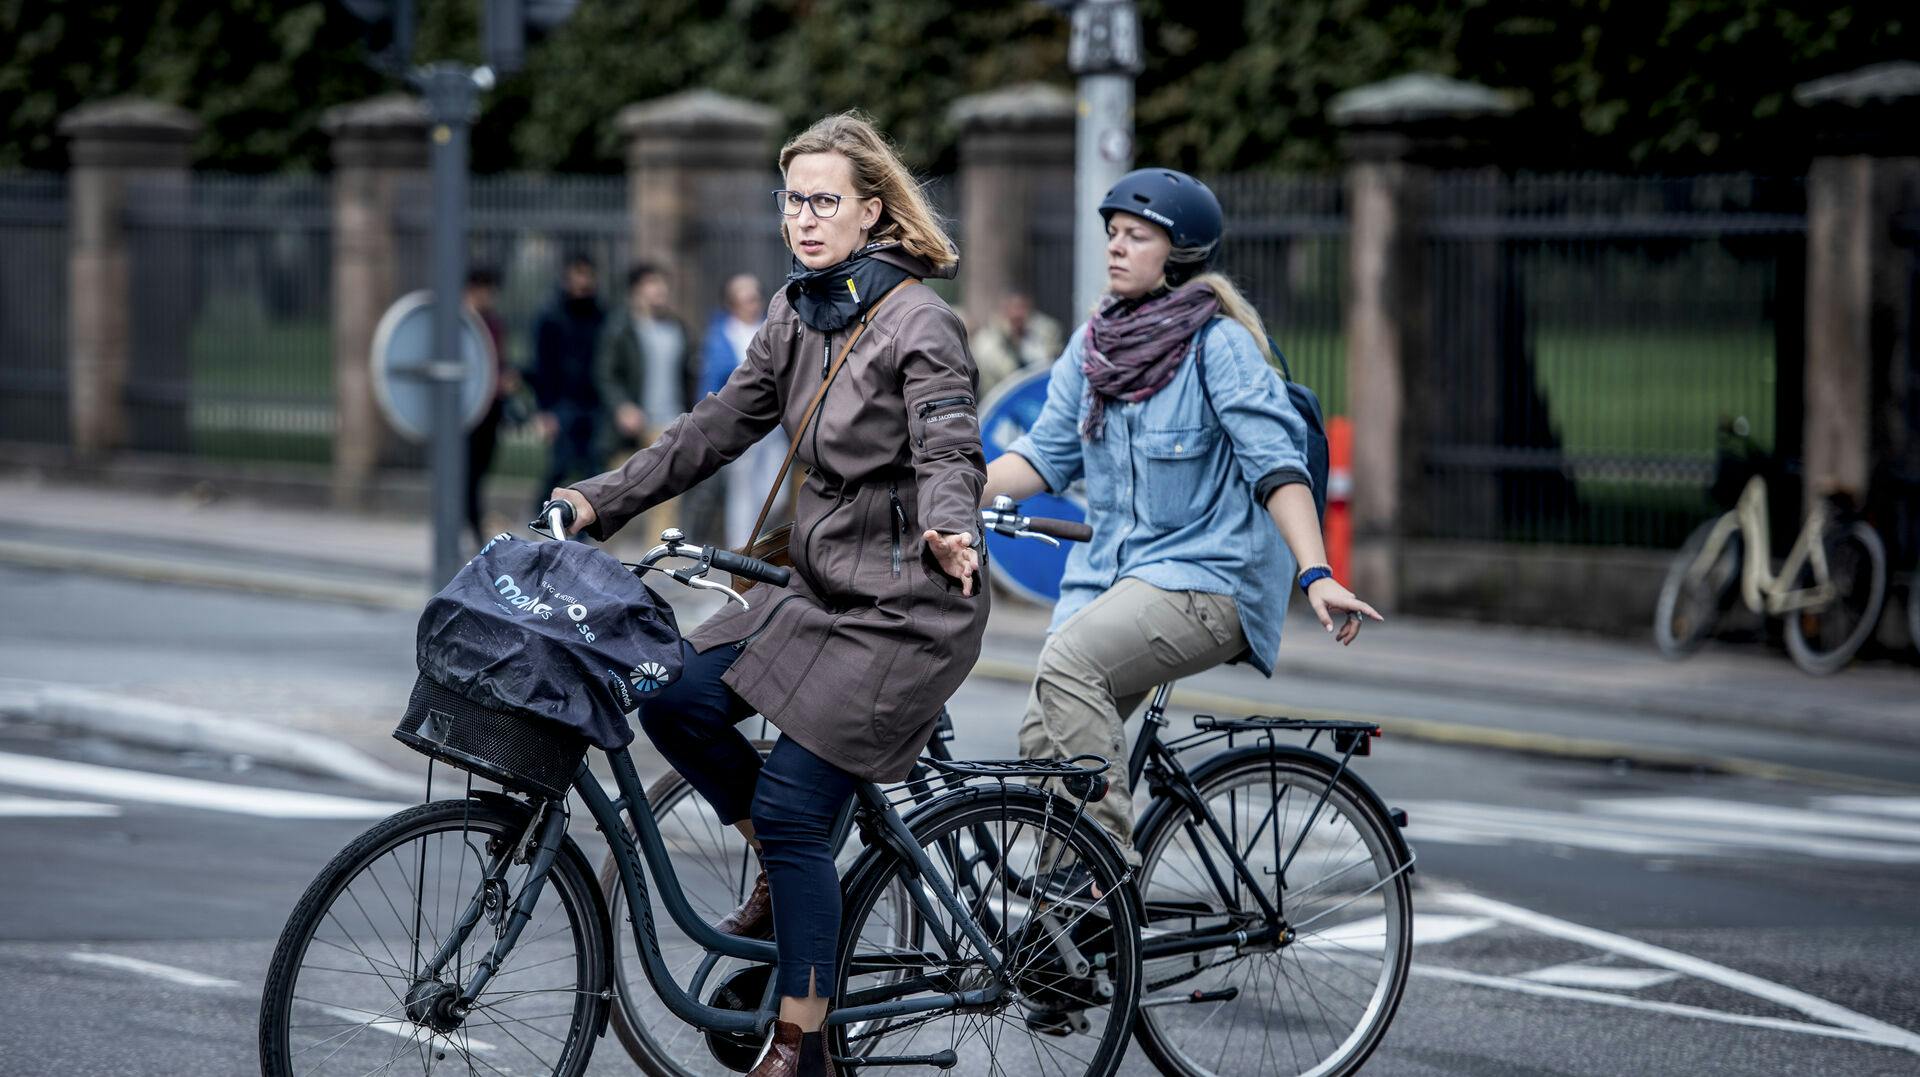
(753, 568)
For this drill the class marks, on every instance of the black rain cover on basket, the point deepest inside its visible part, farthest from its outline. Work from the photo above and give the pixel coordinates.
(557, 629)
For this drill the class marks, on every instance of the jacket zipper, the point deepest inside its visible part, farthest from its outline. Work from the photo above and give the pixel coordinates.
(899, 522)
(929, 407)
(755, 634)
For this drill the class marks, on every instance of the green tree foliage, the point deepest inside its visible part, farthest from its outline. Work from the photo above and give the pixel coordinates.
(1230, 84)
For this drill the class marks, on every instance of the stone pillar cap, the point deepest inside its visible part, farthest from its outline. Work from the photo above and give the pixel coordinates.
(1025, 104)
(130, 118)
(394, 114)
(1878, 84)
(702, 112)
(1416, 99)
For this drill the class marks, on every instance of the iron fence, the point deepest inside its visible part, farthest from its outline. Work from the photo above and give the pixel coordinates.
(33, 308)
(230, 354)
(1590, 337)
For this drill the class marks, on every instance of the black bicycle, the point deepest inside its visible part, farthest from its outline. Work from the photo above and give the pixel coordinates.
(1274, 890)
(469, 934)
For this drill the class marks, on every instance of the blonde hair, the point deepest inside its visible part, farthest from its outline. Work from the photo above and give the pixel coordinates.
(1235, 305)
(905, 216)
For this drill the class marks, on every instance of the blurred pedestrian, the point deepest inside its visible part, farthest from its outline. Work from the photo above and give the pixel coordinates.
(481, 297)
(645, 370)
(741, 485)
(564, 338)
(1016, 339)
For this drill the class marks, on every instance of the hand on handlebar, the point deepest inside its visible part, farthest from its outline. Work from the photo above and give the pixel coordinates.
(583, 514)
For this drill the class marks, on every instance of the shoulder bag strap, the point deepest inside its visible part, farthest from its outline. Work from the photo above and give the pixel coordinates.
(813, 406)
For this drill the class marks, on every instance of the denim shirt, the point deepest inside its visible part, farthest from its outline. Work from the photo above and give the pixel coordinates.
(1175, 488)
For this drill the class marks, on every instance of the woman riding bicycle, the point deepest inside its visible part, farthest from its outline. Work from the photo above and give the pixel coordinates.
(882, 621)
(1184, 571)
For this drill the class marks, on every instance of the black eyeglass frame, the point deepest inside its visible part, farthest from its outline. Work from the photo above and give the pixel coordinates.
(782, 198)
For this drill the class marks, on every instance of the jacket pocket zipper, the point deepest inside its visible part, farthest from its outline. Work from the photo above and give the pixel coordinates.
(898, 520)
(927, 408)
(755, 634)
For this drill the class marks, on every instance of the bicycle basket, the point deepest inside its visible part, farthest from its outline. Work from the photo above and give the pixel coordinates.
(523, 752)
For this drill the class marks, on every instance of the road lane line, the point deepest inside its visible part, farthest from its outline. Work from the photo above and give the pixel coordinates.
(405, 1029)
(1899, 807)
(1625, 833)
(41, 808)
(1600, 977)
(1686, 964)
(1759, 816)
(169, 973)
(115, 783)
(1528, 987)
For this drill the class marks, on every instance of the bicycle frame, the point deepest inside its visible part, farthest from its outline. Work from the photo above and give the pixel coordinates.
(1762, 589)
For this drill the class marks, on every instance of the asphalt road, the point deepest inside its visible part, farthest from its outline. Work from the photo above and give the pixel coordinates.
(1573, 918)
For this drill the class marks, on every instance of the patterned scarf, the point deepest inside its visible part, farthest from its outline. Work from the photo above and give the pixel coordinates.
(1134, 348)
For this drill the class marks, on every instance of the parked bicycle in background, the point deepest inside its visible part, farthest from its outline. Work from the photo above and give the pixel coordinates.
(1829, 590)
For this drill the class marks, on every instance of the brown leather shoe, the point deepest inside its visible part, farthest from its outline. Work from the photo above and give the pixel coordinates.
(754, 918)
(786, 1058)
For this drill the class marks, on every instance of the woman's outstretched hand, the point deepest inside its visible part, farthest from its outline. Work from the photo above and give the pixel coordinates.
(957, 557)
(1329, 599)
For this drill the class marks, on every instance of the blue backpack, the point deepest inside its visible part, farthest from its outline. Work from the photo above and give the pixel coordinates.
(1304, 402)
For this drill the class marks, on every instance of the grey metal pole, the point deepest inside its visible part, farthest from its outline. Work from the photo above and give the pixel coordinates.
(452, 93)
(1105, 53)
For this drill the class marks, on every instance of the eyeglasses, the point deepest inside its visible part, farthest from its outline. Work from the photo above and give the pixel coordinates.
(824, 205)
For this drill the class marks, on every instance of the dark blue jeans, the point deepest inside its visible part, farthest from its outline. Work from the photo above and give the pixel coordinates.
(793, 799)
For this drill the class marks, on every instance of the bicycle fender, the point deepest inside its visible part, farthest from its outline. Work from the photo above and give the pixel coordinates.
(1325, 764)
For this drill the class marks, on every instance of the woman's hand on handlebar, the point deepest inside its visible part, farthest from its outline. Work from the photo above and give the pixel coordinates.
(583, 514)
(957, 557)
(1329, 599)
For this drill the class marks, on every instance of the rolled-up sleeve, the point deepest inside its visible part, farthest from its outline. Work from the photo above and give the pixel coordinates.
(1267, 433)
(1052, 445)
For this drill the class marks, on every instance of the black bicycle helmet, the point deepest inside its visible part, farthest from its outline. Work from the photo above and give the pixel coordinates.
(1178, 203)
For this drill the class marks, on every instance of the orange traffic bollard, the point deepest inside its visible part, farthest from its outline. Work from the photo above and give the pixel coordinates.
(1339, 528)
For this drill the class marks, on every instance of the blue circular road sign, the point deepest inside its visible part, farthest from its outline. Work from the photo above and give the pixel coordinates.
(1027, 567)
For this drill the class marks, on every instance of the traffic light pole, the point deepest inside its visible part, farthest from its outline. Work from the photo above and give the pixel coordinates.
(1104, 52)
(453, 97)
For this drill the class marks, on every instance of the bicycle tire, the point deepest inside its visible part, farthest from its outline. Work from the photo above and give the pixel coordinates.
(501, 821)
(1164, 1030)
(1855, 558)
(1029, 828)
(1687, 610)
(658, 1042)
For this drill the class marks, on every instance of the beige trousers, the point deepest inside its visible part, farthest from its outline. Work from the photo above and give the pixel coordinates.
(1098, 667)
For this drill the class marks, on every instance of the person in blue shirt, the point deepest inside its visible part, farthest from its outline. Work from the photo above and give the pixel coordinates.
(1166, 403)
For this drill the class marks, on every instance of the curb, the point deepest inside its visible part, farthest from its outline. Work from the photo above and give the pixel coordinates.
(175, 728)
(1515, 742)
(187, 574)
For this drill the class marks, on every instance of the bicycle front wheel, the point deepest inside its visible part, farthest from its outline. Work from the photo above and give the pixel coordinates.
(347, 992)
(1052, 899)
(1824, 639)
(1319, 998)
(1691, 603)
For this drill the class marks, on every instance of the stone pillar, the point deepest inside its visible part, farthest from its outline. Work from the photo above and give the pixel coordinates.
(688, 155)
(113, 146)
(1394, 134)
(379, 159)
(1016, 180)
(1865, 173)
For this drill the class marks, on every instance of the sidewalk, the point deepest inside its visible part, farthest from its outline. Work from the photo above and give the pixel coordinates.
(1520, 674)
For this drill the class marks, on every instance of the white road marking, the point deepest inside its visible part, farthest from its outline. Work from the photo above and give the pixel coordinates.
(1820, 1009)
(1759, 816)
(407, 1030)
(40, 808)
(1527, 987)
(116, 783)
(169, 973)
(1899, 807)
(1430, 928)
(1600, 977)
(1458, 822)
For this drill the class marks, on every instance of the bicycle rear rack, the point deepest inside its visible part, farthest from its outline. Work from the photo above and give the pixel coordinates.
(1349, 737)
(1083, 776)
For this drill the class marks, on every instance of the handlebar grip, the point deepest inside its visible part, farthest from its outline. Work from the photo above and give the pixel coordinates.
(1060, 529)
(753, 568)
(566, 514)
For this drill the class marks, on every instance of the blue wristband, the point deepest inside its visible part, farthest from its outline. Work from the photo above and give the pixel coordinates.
(1313, 576)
